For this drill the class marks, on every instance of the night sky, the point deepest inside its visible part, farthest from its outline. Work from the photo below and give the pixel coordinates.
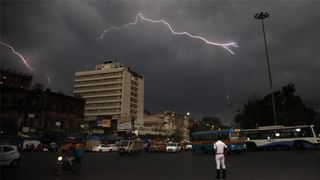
(60, 37)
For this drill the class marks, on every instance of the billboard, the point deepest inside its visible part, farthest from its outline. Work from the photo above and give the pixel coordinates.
(124, 119)
(124, 126)
(106, 123)
(98, 131)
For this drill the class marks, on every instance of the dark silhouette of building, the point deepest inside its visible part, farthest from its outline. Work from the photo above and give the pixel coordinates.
(13, 79)
(35, 110)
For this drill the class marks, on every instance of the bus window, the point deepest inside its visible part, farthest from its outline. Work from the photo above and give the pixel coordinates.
(286, 133)
(234, 134)
(275, 135)
(266, 134)
(207, 137)
(306, 132)
(212, 137)
(225, 137)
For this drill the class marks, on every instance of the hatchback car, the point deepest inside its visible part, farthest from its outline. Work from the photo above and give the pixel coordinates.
(188, 147)
(9, 156)
(157, 147)
(173, 147)
(105, 148)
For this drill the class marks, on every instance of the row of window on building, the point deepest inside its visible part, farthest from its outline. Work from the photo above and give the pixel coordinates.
(99, 93)
(103, 104)
(98, 87)
(103, 98)
(111, 110)
(101, 74)
(97, 81)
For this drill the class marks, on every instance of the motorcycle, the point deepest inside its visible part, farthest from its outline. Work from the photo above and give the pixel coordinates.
(64, 165)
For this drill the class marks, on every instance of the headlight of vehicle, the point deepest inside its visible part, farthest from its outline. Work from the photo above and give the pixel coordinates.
(60, 158)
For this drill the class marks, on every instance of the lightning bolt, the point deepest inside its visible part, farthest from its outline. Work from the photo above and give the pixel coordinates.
(140, 16)
(18, 54)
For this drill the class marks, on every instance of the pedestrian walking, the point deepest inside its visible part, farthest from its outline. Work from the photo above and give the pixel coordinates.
(220, 149)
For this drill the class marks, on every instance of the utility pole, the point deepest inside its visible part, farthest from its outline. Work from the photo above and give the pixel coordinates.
(261, 16)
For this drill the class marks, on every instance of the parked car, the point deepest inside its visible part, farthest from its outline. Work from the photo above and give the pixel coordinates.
(188, 147)
(130, 147)
(157, 147)
(105, 148)
(173, 147)
(9, 156)
(112, 147)
(90, 143)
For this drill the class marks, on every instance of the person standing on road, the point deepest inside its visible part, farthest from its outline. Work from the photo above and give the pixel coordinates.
(220, 149)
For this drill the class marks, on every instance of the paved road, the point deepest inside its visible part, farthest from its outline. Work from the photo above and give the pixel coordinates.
(185, 166)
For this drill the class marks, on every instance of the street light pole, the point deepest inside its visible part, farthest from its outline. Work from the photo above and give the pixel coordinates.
(261, 16)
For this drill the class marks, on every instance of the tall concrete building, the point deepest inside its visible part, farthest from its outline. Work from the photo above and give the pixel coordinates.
(112, 89)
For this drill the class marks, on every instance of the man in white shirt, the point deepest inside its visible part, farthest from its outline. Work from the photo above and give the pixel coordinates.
(220, 149)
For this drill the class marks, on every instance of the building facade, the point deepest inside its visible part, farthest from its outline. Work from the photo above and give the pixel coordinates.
(167, 123)
(34, 110)
(13, 79)
(112, 89)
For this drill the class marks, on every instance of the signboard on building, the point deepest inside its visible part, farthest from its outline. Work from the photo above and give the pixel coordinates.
(25, 129)
(124, 119)
(106, 123)
(98, 131)
(124, 126)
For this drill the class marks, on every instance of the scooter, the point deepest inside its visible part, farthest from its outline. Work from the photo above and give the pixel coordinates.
(63, 165)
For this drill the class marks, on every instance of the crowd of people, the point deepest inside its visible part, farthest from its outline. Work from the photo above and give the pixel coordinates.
(36, 146)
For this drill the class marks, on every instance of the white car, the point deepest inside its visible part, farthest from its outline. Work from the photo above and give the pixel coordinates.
(9, 156)
(173, 147)
(188, 147)
(105, 148)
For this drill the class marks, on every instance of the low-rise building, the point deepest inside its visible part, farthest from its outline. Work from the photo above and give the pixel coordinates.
(168, 123)
(34, 110)
(12, 79)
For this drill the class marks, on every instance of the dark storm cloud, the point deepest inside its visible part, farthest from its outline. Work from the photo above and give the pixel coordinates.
(181, 74)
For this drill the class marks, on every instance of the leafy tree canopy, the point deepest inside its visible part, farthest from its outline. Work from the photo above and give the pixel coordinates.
(207, 124)
(290, 110)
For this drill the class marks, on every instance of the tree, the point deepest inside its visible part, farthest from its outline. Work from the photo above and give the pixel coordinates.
(207, 124)
(290, 109)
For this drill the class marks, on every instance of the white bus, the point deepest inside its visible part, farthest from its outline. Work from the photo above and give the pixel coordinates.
(291, 137)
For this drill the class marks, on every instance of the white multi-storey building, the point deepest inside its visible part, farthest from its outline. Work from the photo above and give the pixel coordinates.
(112, 90)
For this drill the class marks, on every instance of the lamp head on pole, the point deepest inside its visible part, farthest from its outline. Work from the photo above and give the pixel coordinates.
(261, 15)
